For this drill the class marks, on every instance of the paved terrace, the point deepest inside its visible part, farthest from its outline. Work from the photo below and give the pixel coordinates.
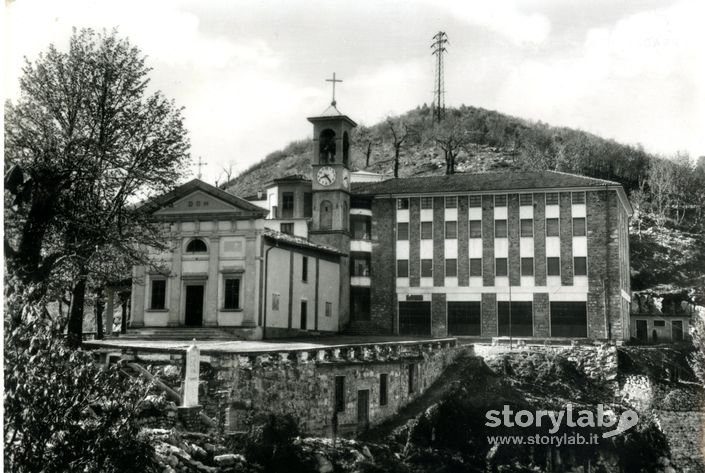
(255, 347)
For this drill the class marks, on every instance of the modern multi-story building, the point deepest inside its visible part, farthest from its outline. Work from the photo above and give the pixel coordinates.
(524, 254)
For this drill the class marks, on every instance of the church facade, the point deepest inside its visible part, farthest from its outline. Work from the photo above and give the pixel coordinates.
(532, 254)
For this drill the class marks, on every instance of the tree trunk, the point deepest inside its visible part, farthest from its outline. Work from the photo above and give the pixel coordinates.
(123, 321)
(396, 161)
(78, 298)
(367, 154)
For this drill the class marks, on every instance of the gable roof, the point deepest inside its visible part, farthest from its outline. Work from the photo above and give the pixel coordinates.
(156, 203)
(502, 181)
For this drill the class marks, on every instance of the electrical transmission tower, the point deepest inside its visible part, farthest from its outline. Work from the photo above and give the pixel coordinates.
(440, 40)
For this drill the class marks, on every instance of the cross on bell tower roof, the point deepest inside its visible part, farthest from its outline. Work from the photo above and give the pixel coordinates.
(333, 80)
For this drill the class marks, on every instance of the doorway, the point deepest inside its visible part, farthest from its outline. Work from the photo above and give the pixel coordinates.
(642, 331)
(363, 409)
(194, 306)
(304, 314)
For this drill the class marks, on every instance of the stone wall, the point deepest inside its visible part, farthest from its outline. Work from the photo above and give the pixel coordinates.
(243, 388)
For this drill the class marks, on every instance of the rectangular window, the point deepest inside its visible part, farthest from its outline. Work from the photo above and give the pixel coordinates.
(475, 228)
(579, 226)
(659, 323)
(383, 388)
(329, 309)
(426, 268)
(476, 267)
(426, 230)
(308, 204)
(360, 264)
(500, 200)
(361, 225)
(340, 394)
(578, 197)
(452, 202)
(515, 319)
(580, 266)
(552, 198)
(526, 199)
(553, 266)
(475, 201)
(500, 229)
(158, 294)
(287, 228)
(304, 269)
(275, 301)
(426, 202)
(527, 227)
(402, 231)
(403, 204)
(527, 266)
(451, 230)
(232, 293)
(552, 227)
(287, 204)
(464, 318)
(451, 268)
(412, 380)
(500, 267)
(403, 268)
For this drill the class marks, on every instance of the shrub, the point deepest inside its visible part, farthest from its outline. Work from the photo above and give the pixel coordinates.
(64, 412)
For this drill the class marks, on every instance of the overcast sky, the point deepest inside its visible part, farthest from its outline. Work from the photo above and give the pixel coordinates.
(249, 72)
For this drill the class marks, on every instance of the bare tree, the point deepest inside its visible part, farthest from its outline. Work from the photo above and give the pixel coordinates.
(364, 141)
(452, 137)
(399, 132)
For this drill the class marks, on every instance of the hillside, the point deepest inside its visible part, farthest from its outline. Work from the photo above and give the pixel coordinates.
(668, 236)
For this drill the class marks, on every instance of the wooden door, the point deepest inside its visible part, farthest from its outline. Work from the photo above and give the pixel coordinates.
(194, 306)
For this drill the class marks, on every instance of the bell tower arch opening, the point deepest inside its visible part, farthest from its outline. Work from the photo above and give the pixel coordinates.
(326, 147)
(346, 148)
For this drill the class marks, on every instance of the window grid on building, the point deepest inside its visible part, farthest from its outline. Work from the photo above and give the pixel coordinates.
(552, 227)
(402, 231)
(403, 268)
(579, 226)
(580, 266)
(527, 266)
(452, 202)
(578, 197)
(475, 201)
(553, 266)
(426, 268)
(287, 228)
(451, 230)
(426, 202)
(158, 299)
(552, 198)
(500, 267)
(451, 268)
(526, 199)
(500, 229)
(475, 228)
(231, 298)
(500, 200)
(403, 204)
(476, 267)
(527, 227)
(427, 230)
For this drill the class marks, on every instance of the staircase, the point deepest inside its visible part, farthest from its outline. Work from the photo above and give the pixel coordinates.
(184, 333)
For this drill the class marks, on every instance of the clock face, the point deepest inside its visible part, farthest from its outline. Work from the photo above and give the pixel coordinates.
(326, 176)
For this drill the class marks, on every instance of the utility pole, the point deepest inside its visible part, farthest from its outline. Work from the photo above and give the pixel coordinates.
(440, 40)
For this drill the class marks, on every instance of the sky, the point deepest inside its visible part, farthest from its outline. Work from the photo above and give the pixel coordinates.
(248, 73)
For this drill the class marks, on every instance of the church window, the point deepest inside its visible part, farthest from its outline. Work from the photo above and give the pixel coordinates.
(158, 301)
(326, 215)
(346, 148)
(231, 299)
(326, 143)
(196, 246)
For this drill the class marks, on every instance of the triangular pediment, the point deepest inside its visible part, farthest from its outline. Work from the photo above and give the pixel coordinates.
(197, 197)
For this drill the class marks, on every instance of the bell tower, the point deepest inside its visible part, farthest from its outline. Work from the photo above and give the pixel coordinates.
(331, 176)
(330, 163)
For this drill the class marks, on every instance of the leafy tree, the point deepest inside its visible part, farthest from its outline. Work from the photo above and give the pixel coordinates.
(62, 411)
(84, 141)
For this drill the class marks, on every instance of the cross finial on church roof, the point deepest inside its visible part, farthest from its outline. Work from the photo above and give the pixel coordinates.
(200, 164)
(333, 80)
